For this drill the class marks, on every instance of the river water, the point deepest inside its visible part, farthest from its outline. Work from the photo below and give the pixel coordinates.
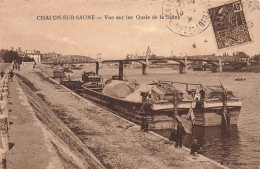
(239, 148)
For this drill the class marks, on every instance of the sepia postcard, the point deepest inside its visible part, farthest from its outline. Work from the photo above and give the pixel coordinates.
(129, 84)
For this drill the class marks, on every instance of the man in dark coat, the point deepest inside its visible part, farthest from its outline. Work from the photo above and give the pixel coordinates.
(34, 65)
(11, 75)
(179, 134)
(144, 125)
(173, 135)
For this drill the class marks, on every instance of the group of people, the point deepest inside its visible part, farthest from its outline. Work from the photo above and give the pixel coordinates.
(16, 65)
(177, 136)
(11, 74)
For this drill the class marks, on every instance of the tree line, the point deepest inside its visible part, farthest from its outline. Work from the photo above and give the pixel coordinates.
(10, 56)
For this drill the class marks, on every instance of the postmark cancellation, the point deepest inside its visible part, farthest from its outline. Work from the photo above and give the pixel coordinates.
(186, 17)
(229, 25)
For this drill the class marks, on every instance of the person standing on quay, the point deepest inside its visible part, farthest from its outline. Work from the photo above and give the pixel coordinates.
(173, 135)
(34, 65)
(11, 75)
(2, 74)
(13, 64)
(179, 134)
(18, 66)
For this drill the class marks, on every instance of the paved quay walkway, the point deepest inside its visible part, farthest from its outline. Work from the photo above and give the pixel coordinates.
(29, 144)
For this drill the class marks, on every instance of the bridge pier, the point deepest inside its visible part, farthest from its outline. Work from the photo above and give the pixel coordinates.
(97, 68)
(217, 68)
(220, 65)
(145, 66)
(183, 67)
(121, 70)
(144, 69)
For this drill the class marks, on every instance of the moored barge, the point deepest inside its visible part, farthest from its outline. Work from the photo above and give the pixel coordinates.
(159, 104)
(153, 104)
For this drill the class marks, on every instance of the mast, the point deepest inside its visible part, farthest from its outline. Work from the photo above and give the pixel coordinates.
(175, 102)
(225, 110)
(225, 115)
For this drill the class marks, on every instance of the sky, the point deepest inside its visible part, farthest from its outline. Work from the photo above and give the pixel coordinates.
(113, 38)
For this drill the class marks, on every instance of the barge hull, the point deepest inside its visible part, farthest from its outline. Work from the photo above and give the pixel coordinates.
(133, 111)
(213, 116)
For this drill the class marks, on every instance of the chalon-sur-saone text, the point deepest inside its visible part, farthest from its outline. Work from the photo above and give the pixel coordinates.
(66, 17)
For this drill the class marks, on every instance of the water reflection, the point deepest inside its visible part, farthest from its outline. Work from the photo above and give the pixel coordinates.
(217, 143)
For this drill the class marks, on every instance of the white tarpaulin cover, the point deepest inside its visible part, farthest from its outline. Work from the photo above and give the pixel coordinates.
(136, 95)
(119, 89)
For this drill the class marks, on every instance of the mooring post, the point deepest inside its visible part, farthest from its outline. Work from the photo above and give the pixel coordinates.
(4, 133)
(97, 68)
(121, 70)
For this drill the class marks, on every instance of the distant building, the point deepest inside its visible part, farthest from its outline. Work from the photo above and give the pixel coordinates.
(242, 55)
(136, 56)
(36, 55)
(148, 52)
(51, 55)
(256, 58)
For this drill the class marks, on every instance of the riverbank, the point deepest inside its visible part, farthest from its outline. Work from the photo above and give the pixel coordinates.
(29, 144)
(253, 68)
(96, 127)
(26, 135)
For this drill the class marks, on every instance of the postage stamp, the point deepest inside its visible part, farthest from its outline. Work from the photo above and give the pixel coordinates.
(186, 17)
(229, 25)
